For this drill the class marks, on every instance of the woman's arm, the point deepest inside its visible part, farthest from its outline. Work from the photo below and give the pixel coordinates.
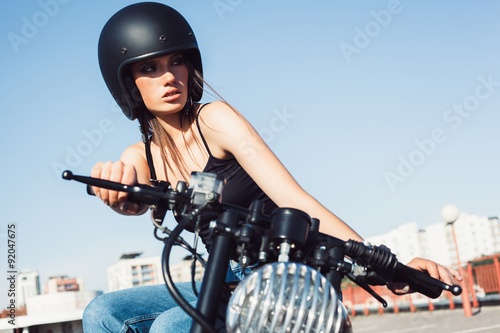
(229, 133)
(131, 169)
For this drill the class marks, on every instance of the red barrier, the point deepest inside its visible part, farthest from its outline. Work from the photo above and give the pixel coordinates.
(475, 303)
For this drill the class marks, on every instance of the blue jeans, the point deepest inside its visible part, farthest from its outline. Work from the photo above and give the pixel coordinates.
(146, 309)
(139, 310)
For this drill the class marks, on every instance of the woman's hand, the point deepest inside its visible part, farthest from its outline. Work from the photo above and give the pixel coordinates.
(446, 274)
(121, 173)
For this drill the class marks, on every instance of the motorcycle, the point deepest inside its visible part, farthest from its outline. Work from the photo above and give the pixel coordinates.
(295, 272)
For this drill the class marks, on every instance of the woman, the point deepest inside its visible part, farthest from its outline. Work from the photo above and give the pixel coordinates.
(150, 61)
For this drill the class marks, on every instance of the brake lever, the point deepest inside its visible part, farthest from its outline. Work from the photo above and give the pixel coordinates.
(360, 282)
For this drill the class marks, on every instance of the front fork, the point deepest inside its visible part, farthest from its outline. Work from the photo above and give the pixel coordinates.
(216, 270)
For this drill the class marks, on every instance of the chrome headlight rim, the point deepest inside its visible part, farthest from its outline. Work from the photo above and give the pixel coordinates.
(284, 296)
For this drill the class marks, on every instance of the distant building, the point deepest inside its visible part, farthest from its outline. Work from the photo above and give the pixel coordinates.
(59, 309)
(28, 286)
(437, 244)
(71, 302)
(58, 284)
(133, 271)
(181, 272)
(56, 312)
(404, 241)
(477, 236)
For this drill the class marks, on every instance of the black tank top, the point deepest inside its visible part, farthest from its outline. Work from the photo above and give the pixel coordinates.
(240, 189)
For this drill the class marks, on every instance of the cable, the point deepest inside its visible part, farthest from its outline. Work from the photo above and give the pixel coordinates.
(193, 266)
(195, 314)
(179, 241)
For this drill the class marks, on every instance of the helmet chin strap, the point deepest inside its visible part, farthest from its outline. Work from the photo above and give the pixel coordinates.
(146, 138)
(187, 107)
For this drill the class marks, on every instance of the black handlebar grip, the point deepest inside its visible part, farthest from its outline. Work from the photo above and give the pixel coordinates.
(141, 199)
(422, 282)
(131, 197)
(90, 190)
(140, 194)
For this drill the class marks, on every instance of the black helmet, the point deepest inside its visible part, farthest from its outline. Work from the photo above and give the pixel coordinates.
(137, 32)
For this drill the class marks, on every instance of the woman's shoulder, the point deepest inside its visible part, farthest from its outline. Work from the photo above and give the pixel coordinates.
(134, 153)
(220, 116)
(213, 109)
(225, 130)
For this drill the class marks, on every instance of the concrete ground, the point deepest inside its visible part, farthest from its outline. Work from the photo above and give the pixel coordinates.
(486, 319)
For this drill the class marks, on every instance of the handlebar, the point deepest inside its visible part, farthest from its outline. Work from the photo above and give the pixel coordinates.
(423, 283)
(139, 193)
(381, 265)
(388, 269)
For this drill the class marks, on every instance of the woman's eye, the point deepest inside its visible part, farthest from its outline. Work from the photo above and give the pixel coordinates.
(178, 61)
(147, 69)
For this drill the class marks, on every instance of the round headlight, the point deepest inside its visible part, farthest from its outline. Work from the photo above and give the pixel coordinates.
(285, 297)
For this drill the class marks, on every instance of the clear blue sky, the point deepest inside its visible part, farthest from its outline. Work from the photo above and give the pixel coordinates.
(392, 112)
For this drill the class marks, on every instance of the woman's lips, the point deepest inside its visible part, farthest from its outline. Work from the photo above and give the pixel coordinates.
(171, 95)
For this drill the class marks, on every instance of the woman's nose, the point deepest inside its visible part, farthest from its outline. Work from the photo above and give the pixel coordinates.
(168, 78)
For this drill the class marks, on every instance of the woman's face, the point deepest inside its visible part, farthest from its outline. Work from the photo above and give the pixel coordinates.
(162, 82)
